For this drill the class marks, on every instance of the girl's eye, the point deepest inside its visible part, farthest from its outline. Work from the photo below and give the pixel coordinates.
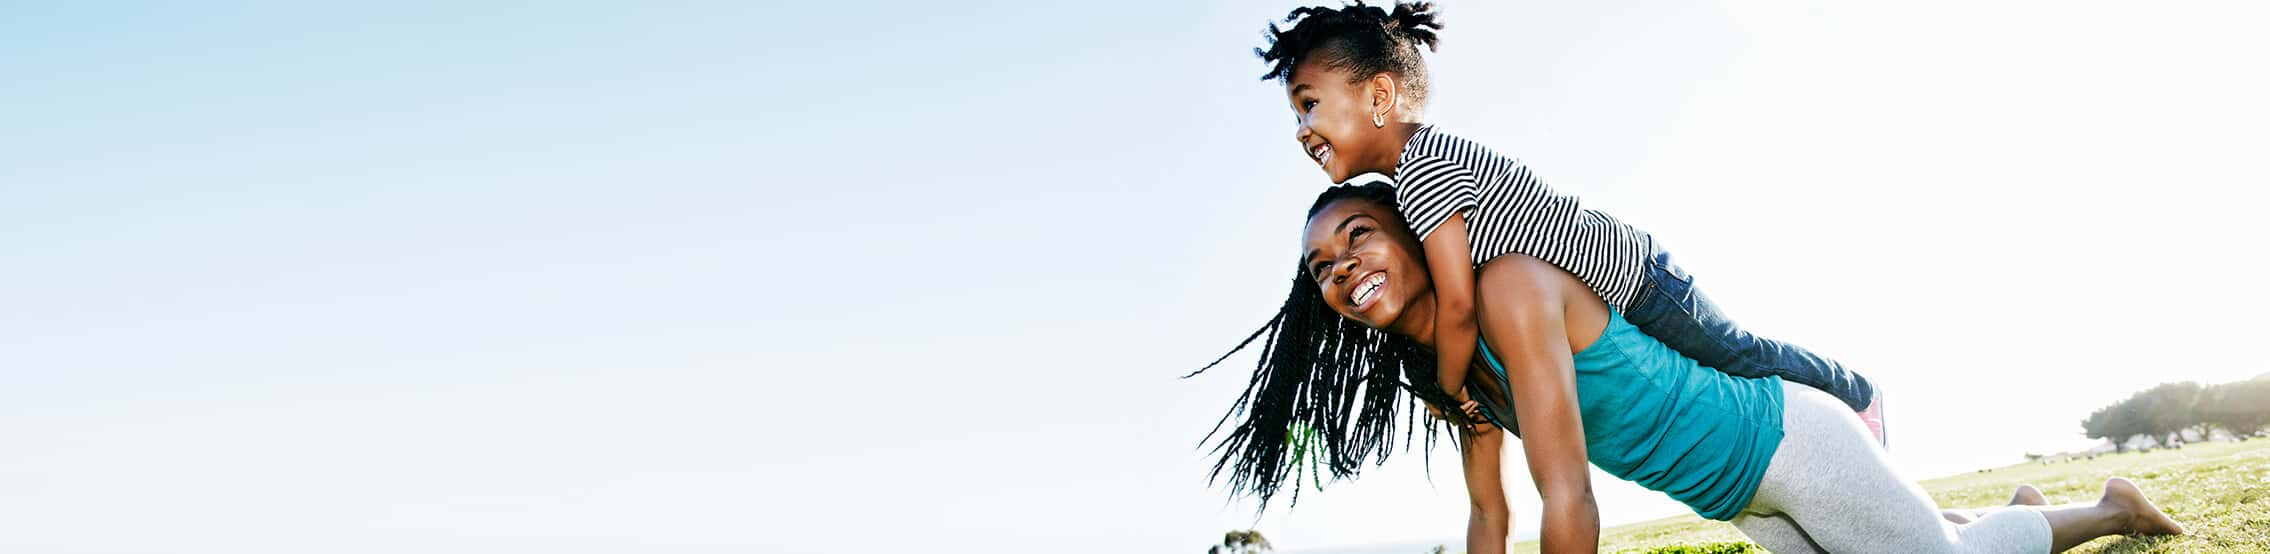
(1307, 105)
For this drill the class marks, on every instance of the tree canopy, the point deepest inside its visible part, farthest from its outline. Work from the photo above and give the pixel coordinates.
(2163, 411)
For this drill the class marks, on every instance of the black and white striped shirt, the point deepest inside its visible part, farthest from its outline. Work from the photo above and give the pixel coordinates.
(1508, 209)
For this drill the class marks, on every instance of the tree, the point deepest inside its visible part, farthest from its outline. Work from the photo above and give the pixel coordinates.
(2243, 408)
(2116, 423)
(1241, 542)
(2169, 408)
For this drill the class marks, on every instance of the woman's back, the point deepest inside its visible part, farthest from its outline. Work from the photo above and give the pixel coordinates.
(1657, 418)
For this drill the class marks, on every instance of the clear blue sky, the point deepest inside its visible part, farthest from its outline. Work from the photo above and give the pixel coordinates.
(856, 276)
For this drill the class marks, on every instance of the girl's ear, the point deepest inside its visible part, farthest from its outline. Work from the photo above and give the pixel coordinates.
(1384, 95)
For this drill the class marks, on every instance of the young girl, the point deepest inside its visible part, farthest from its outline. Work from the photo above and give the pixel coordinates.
(1356, 83)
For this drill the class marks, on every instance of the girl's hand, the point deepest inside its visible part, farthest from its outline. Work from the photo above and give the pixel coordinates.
(1473, 410)
(1474, 419)
(1467, 405)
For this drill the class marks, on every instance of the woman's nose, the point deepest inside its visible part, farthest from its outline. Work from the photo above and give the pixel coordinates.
(1346, 267)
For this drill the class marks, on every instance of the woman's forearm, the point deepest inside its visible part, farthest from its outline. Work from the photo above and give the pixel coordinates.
(1490, 518)
(1486, 531)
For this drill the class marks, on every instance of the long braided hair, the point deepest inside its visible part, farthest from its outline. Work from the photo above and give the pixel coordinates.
(1364, 40)
(1328, 392)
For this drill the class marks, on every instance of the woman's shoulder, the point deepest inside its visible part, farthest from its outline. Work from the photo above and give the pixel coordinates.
(1521, 274)
(1526, 280)
(1519, 265)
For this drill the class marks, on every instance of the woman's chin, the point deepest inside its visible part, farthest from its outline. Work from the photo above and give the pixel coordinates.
(1379, 316)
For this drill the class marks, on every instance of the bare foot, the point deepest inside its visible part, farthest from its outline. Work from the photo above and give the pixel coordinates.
(2029, 496)
(2143, 517)
(1956, 517)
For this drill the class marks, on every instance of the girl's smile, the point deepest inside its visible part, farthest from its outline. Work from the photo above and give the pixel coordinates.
(1348, 125)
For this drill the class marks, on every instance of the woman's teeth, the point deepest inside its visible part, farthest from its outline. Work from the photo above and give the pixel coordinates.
(1367, 289)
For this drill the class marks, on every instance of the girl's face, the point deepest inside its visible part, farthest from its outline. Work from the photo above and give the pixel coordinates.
(1367, 263)
(1336, 129)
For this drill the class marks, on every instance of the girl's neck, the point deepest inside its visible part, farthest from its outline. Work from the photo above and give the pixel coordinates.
(1399, 134)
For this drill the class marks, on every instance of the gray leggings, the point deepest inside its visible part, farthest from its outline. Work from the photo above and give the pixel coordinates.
(1829, 489)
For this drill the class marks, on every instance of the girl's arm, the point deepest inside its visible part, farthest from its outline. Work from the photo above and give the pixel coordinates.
(1450, 262)
(1491, 520)
(1525, 319)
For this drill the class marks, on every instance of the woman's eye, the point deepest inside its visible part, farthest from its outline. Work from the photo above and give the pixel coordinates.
(1357, 232)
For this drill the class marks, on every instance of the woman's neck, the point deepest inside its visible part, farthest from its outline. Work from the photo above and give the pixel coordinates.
(1417, 320)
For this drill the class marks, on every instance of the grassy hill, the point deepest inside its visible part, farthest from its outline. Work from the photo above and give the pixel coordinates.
(2220, 491)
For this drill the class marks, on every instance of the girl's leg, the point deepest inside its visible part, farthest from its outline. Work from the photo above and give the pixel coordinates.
(1837, 487)
(1672, 310)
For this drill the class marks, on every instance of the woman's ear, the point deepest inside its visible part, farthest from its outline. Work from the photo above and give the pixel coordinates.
(1385, 94)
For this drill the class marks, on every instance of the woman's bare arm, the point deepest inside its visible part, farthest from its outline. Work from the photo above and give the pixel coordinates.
(1491, 519)
(1524, 319)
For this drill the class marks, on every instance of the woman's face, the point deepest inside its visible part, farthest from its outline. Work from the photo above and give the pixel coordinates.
(1368, 264)
(1335, 120)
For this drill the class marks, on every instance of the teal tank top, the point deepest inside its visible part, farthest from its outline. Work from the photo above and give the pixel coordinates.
(1654, 417)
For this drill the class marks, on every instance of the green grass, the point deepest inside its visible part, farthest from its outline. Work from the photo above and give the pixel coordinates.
(2219, 491)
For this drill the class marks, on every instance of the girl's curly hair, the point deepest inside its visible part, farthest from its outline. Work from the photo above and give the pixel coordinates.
(1361, 39)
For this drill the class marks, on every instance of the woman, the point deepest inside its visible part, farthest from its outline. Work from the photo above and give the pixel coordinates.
(1789, 465)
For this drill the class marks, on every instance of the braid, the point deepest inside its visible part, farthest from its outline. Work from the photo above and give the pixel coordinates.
(1361, 39)
(1327, 393)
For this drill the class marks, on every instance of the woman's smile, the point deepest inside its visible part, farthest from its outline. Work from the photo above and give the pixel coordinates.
(1366, 291)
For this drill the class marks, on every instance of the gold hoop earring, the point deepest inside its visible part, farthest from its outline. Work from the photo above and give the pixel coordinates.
(1378, 120)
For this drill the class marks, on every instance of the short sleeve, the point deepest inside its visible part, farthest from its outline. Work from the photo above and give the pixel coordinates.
(1430, 189)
